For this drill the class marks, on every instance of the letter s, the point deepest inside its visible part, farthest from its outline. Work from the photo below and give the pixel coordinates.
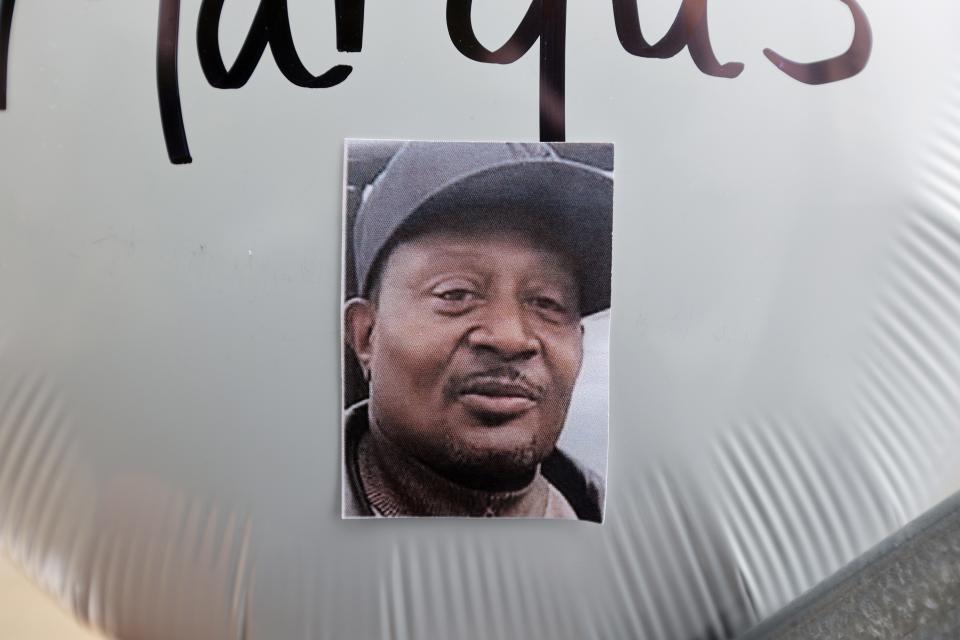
(844, 66)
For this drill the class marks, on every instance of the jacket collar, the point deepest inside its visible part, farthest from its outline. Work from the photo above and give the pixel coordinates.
(582, 488)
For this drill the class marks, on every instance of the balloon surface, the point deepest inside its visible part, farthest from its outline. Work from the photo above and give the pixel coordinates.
(784, 336)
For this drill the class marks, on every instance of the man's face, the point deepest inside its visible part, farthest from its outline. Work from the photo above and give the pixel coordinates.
(474, 349)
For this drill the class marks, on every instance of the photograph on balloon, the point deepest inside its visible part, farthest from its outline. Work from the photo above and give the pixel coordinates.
(476, 312)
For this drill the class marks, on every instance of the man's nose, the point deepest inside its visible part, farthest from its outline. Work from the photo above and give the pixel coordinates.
(505, 331)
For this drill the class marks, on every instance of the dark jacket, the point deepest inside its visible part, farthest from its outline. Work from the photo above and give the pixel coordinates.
(582, 488)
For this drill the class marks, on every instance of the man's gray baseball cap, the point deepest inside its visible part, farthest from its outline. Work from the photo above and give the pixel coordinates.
(426, 179)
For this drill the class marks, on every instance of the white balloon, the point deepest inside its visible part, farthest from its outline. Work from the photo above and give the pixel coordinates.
(784, 332)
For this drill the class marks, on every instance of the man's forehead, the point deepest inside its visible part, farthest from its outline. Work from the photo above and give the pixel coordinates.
(487, 248)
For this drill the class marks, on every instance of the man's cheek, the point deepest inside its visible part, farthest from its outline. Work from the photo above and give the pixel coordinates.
(422, 368)
(567, 364)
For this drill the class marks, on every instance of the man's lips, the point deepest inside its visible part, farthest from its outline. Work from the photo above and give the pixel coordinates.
(498, 397)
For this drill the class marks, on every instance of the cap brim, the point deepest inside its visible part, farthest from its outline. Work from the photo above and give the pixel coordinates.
(575, 196)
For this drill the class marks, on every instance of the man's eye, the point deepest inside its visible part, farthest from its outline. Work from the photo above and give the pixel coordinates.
(548, 304)
(456, 295)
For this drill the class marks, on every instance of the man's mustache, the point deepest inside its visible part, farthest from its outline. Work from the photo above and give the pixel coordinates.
(496, 381)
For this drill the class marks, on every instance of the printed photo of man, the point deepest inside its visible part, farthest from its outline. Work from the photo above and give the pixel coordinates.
(469, 270)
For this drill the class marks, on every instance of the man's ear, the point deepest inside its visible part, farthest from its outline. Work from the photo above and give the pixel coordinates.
(358, 318)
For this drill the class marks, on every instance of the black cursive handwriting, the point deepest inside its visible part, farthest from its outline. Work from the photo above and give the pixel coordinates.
(544, 21)
(168, 83)
(844, 66)
(271, 26)
(689, 29)
(6, 24)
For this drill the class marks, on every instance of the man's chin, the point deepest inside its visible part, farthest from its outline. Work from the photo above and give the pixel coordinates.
(508, 464)
(495, 473)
